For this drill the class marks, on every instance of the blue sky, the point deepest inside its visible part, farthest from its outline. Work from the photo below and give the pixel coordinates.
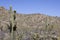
(48, 7)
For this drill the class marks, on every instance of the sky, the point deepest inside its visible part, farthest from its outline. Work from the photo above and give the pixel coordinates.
(48, 7)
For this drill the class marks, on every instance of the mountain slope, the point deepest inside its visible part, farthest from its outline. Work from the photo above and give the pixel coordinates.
(35, 23)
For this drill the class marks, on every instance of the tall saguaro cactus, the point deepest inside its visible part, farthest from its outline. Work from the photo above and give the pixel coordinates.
(12, 24)
(14, 27)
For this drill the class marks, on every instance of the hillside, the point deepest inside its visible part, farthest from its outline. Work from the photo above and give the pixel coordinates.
(30, 24)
